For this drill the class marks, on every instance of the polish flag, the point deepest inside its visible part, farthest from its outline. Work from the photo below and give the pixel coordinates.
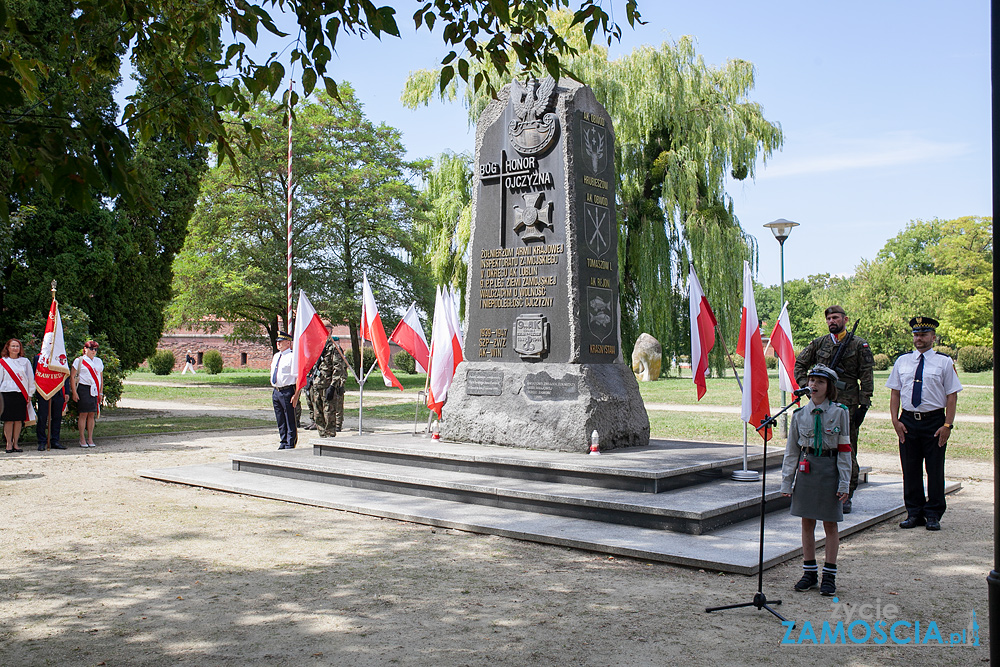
(308, 340)
(52, 367)
(443, 362)
(372, 330)
(703, 325)
(755, 407)
(781, 341)
(455, 326)
(409, 335)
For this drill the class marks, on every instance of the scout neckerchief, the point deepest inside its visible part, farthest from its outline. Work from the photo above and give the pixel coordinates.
(97, 383)
(24, 392)
(818, 432)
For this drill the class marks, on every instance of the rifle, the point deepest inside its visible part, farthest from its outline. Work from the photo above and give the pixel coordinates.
(840, 352)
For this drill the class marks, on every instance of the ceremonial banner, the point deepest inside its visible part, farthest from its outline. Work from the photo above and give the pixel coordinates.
(52, 368)
(372, 330)
(409, 335)
(781, 341)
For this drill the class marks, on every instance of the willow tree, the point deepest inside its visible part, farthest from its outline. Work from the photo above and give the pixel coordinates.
(682, 127)
(447, 228)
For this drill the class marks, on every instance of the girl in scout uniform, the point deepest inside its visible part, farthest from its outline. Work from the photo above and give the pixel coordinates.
(816, 473)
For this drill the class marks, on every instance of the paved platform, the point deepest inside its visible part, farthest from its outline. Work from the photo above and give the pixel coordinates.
(685, 509)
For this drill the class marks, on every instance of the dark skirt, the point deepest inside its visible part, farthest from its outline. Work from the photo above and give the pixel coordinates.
(815, 493)
(14, 407)
(87, 402)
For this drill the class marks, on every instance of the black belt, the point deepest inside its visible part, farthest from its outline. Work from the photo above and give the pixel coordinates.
(826, 452)
(287, 387)
(920, 416)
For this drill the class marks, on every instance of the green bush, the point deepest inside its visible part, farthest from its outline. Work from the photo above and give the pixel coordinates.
(212, 360)
(771, 362)
(976, 359)
(944, 349)
(162, 362)
(404, 362)
(881, 362)
(367, 358)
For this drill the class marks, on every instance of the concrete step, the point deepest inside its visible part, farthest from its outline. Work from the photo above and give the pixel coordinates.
(733, 548)
(693, 509)
(659, 467)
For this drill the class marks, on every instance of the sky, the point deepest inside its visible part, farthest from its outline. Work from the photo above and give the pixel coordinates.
(884, 104)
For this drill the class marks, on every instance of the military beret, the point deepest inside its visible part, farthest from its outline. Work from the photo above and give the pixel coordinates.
(834, 309)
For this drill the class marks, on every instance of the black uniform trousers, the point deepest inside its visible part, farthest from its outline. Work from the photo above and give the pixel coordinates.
(920, 450)
(284, 413)
(41, 428)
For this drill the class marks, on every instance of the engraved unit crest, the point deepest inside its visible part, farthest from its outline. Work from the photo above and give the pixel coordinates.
(595, 145)
(600, 312)
(532, 220)
(597, 227)
(531, 336)
(534, 127)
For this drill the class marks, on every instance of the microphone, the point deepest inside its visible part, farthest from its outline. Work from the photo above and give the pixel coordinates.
(805, 391)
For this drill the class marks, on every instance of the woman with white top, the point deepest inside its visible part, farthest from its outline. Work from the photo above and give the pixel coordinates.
(17, 383)
(87, 381)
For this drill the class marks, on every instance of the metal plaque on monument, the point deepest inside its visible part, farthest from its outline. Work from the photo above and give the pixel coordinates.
(543, 363)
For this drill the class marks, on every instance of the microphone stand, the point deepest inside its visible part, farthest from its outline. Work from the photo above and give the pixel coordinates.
(760, 600)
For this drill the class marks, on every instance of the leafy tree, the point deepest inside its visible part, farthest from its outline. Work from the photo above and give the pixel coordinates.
(681, 127)
(52, 146)
(112, 261)
(964, 258)
(353, 212)
(447, 229)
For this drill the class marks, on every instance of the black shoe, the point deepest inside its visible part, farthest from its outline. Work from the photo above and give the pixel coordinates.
(17, 449)
(847, 506)
(829, 586)
(56, 445)
(933, 524)
(809, 580)
(912, 522)
(41, 448)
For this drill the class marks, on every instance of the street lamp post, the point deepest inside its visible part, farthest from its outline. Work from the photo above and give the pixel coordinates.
(781, 228)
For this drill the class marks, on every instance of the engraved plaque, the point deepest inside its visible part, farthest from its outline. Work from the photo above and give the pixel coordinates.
(543, 387)
(531, 336)
(484, 382)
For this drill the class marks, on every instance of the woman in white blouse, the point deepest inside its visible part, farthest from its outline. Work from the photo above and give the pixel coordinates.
(17, 384)
(87, 382)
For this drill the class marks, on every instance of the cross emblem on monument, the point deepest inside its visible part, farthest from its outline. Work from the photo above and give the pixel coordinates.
(499, 179)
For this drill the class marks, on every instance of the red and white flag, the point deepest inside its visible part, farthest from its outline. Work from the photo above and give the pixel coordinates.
(455, 325)
(703, 325)
(53, 365)
(308, 340)
(409, 335)
(781, 342)
(372, 330)
(755, 406)
(443, 361)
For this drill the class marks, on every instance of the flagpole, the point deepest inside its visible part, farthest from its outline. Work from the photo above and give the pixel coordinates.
(745, 475)
(48, 422)
(288, 291)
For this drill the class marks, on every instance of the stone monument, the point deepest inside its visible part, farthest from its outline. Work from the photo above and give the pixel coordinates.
(543, 362)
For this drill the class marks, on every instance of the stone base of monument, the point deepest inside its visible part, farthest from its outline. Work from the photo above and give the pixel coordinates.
(545, 406)
(671, 501)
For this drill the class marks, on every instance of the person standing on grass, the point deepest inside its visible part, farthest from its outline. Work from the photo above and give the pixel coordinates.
(925, 385)
(17, 384)
(87, 382)
(816, 473)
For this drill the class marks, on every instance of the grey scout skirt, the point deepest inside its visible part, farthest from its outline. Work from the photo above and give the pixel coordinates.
(814, 495)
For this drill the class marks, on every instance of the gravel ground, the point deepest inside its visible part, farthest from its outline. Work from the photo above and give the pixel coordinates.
(102, 567)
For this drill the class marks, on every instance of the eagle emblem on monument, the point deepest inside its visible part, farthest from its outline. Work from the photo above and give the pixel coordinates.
(534, 127)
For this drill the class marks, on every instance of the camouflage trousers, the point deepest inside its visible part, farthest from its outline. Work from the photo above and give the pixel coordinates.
(327, 413)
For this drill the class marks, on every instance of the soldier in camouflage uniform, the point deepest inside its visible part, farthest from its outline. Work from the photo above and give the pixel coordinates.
(856, 370)
(328, 376)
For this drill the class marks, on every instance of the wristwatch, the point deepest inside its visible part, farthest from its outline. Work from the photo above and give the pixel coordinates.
(949, 426)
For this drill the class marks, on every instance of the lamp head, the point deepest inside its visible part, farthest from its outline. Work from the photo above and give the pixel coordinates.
(781, 228)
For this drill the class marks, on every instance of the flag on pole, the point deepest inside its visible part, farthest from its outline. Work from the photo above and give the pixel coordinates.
(409, 335)
(308, 340)
(755, 406)
(442, 355)
(372, 330)
(702, 332)
(53, 365)
(781, 341)
(455, 326)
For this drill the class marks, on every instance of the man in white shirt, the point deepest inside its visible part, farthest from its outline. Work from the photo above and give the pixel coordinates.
(284, 397)
(925, 385)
